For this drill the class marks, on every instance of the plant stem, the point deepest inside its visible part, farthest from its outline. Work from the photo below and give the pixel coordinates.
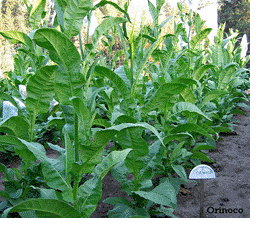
(76, 136)
(166, 120)
(75, 192)
(32, 125)
(81, 47)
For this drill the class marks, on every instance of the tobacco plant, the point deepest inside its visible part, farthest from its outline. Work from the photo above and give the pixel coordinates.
(162, 109)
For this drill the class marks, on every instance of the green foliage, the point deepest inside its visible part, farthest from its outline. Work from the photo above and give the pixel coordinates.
(162, 110)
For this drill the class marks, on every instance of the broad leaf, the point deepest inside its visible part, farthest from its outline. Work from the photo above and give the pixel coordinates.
(164, 194)
(19, 148)
(74, 14)
(105, 26)
(191, 128)
(144, 62)
(211, 96)
(68, 79)
(162, 96)
(92, 155)
(132, 138)
(17, 126)
(83, 114)
(152, 161)
(57, 208)
(36, 14)
(40, 90)
(15, 37)
(201, 156)
(119, 84)
(110, 161)
(199, 74)
(226, 75)
(124, 209)
(185, 106)
(91, 191)
(179, 169)
(104, 2)
(90, 194)
(199, 38)
(217, 55)
(52, 175)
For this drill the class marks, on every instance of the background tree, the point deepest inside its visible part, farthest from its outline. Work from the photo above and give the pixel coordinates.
(236, 15)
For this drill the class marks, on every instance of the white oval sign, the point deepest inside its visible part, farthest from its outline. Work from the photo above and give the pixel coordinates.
(202, 172)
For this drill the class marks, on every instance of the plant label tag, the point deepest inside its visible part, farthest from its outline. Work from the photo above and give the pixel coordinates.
(202, 172)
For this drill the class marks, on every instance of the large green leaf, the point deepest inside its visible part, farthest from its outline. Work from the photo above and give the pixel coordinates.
(123, 208)
(17, 126)
(105, 26)
(15, 37)
(92, 155)
(36, 14)
(91, 191)
(104, 2)
(226, 75)
(201, 156)
(119, 84)
(144, 62)
(199, 38)
(132, 138)
(74, 14)
(83, 113)
(188, 95)
(152, 161)
(185, 106)
(211, 96)
(189, 127)
(162, 96)
(180, 170)
(164, 194)
(203, 70)
(19, 147)
(90, 194)
(68, 79)
(52, 207)
(40, 90)
(110, 161)
(54, 178)
(217, 55)
(52, 175)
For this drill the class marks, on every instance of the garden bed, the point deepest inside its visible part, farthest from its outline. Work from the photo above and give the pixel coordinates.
(230, 189)
(148, 123)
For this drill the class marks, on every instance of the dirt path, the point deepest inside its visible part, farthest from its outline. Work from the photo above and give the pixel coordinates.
(231, 188)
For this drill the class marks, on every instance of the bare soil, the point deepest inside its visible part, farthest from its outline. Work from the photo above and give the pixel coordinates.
(227, 196)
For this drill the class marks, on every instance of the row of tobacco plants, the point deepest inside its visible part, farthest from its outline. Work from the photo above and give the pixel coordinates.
(162, 110)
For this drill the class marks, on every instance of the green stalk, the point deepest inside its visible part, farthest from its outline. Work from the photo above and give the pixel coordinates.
(81, 47)
(88, 27)
(32, 126)
(75, 192)
(76, 136)
(132, 61)
(166, 120)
